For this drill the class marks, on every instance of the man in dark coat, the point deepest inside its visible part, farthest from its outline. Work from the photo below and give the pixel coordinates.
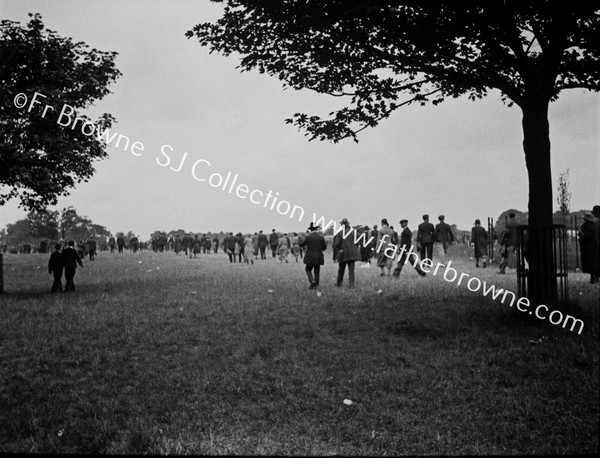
(216, 244)
(70, 259)
(508, 242)
(590, 251)
(229, 247)
(262, 244)
(443, 237)
(479, 239)
(274, 242)
(111, 243)
(407, 254)
(55, 266)
(120, 243)
(314, 259)
(91, 247)
(347, 253)
(425, 238)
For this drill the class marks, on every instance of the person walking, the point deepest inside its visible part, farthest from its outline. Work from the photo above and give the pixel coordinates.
(385, 241)
(407, 253)
(443, 237)
(111, 243)
(248, 249)
(425, 238)
(91, 248)
(347, 253)
(55, 267)
(262, 244)
(508, 242)
(479, 240)
(70, 259)
(283, 248)
(295, 245)
(313, 259)
(590, 252)
(274, 242)
(120, 243)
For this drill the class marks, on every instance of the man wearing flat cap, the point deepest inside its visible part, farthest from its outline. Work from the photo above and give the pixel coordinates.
(347, 253)
(313, 259)
(407, 253)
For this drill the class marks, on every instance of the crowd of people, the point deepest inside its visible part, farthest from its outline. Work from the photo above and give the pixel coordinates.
(364, 246)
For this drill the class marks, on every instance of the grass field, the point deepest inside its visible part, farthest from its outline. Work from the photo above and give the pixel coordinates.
(162, 354)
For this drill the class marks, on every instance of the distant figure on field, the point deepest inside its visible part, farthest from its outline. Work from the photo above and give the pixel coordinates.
(425, 238)
(262, 244)
(385, 240)
(313, 259)
(120, 243)
(296, 245)
(407, 254)
(55, 267)
(196, 246)
(70, 260)
(508, 242)
(216, 244)
(283, 248)
(274, 241)
(347, 253)
(134, 243)
(112, 243)
(589, 243)
(248, 249)
(443, 237)
(91, 248)
(479, 240)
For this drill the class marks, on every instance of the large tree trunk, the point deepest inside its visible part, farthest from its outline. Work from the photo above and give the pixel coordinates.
(542, 287)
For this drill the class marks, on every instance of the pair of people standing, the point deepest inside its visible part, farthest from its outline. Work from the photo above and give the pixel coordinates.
(66, 259)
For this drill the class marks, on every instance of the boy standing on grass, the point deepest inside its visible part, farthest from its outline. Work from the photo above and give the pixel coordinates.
(70, 259)
(55, 266)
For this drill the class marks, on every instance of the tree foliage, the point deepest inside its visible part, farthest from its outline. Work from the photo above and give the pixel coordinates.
(382, 55)
(41, 160)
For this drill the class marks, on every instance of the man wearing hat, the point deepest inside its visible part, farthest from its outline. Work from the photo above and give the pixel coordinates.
(407, 253)
(479, 240)
(365, 248)
(347, 253)
(443, 237)
(425, 238)
(313, 259)
(590, 251)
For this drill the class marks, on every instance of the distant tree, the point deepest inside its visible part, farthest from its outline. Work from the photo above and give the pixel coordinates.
(19, 232)
(41, 160)
(563, 196)
(44, 224)
(382, 55)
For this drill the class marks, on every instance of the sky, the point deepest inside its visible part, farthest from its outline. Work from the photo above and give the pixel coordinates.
(462, 159)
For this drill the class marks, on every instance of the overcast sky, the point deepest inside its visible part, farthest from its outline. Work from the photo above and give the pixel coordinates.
(462, 159)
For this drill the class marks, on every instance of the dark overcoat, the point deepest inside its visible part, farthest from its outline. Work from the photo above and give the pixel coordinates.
(315, 245)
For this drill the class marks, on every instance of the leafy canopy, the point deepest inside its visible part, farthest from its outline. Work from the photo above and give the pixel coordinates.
(385, 54)
(40, 159)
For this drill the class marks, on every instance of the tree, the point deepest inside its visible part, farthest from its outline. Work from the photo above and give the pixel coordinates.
(40, 159)
(383, 55)
(43, 224)
(564, 195)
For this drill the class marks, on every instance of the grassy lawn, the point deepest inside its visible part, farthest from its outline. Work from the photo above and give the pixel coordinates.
(162, 354)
